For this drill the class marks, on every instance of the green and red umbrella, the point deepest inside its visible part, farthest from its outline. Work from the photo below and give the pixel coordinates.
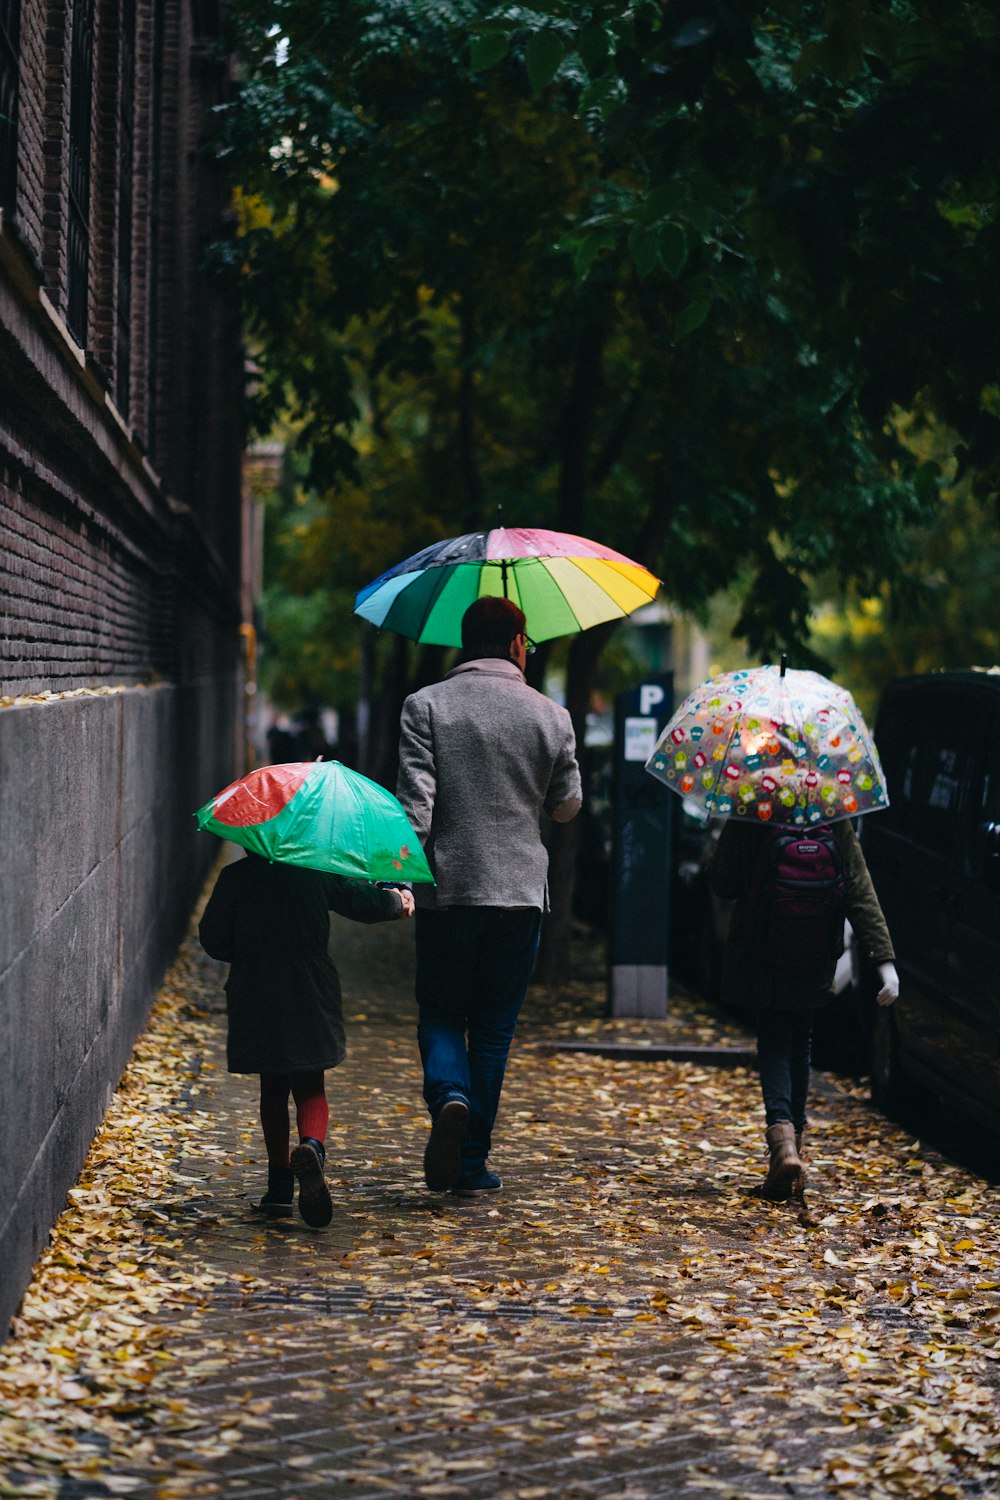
(563, 583)
(322, 815)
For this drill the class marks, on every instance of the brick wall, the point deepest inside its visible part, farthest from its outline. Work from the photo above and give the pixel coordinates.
(120, 589)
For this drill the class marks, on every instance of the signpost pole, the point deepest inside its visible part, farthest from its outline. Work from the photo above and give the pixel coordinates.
(640, 856)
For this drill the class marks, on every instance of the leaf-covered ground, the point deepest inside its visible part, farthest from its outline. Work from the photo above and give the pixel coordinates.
(626, 1318)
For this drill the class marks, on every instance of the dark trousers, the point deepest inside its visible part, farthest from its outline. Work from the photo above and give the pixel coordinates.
(473, 968)
(784, 1051)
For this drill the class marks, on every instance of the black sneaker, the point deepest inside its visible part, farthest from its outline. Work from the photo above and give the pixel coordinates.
(483, 1181)
(276, 1206)
(279, 1200)
(443, 1154)
(315, 1203)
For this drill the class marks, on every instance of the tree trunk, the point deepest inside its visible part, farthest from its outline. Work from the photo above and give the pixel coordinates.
(471, 480)
(555, 958)
(383, 744)
(363, 716)
(575, 427)
(554, 964)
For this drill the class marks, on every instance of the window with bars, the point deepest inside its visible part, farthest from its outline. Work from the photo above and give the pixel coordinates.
(126, 158)
(10, 41)
(153, 327)
(81, 92)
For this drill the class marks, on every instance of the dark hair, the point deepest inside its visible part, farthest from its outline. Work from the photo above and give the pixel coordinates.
(488, 627)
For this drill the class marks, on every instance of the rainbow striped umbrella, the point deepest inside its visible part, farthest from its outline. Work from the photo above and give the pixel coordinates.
(322, 815)
(563, 583)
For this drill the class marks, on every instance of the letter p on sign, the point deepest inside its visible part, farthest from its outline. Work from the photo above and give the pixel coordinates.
(650, 694)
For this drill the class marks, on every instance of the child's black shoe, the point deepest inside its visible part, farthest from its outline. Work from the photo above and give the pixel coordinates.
(279, 1200)
(315, 1204)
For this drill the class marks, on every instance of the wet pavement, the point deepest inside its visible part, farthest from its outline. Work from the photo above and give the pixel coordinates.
(625, 1318)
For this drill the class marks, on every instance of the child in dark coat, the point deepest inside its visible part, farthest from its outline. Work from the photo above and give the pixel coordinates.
(271, 924)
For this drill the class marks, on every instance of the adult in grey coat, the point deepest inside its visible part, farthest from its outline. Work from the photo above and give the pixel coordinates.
(482, 756)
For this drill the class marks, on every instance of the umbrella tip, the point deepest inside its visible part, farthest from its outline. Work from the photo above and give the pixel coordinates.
(784, 662)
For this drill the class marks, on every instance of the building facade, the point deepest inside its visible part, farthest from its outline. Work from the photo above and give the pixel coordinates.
(121, 554)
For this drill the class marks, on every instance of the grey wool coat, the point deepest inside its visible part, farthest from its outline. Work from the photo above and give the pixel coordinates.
(481, 757)
(748, 982)
(271, 924)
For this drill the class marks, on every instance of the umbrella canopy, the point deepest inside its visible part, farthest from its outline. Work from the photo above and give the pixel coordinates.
(322, 815)
(765, 744)
(563, 583)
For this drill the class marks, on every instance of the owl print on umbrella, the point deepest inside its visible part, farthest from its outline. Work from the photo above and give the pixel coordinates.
(770, 744)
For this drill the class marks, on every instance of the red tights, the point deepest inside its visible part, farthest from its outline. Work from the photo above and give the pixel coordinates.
(311, 1110)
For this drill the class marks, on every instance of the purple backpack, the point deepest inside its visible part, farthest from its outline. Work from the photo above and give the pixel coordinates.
(796, 902)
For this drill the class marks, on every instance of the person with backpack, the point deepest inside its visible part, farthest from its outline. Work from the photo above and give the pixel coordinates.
(793, 888)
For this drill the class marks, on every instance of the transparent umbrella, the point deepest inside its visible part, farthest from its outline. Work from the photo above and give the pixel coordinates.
(771, 744)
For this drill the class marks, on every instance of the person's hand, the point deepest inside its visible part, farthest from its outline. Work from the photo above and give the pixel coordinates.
(408, 904)
(890, 984)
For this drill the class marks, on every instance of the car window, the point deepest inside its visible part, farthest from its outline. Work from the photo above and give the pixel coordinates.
(928, 744)
(989, 801)
(984, 854)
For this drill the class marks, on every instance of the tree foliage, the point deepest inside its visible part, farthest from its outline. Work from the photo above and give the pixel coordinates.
(690, 261)
(664, 275)
(850, 151)
(942, 611)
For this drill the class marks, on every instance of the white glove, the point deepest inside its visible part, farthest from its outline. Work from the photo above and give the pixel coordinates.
(890, 984)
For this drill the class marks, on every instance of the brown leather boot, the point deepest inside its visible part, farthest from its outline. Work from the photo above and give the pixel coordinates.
(785, 1171)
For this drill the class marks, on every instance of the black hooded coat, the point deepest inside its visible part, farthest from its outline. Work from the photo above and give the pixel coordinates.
(271, 924)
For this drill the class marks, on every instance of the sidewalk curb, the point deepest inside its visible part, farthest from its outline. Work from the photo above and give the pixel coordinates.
(709, 1056)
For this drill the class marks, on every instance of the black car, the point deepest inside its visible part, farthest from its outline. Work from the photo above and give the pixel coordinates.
(934, 855)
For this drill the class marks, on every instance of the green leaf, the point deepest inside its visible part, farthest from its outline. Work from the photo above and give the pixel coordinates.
(543, 55)
(486, 50)
(660, 202)
(586, 251)
(879, 37)
(693, 314)
(925, 481)
(602, 95)
(810, 60)
(593, 45)
(673, 248)
(644, 248)
(711, 193)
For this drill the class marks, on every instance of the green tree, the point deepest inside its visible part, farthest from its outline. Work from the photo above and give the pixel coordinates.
(942, 612)
(850, 151)
(558, 270)
(406, 179)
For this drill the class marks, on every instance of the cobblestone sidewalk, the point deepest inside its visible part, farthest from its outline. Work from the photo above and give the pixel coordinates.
(626, 1318)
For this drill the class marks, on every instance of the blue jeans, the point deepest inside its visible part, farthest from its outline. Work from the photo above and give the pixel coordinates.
(473, 968)
(784, 1052)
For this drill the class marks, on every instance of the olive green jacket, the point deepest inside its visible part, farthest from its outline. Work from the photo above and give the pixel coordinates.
(746, 981)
